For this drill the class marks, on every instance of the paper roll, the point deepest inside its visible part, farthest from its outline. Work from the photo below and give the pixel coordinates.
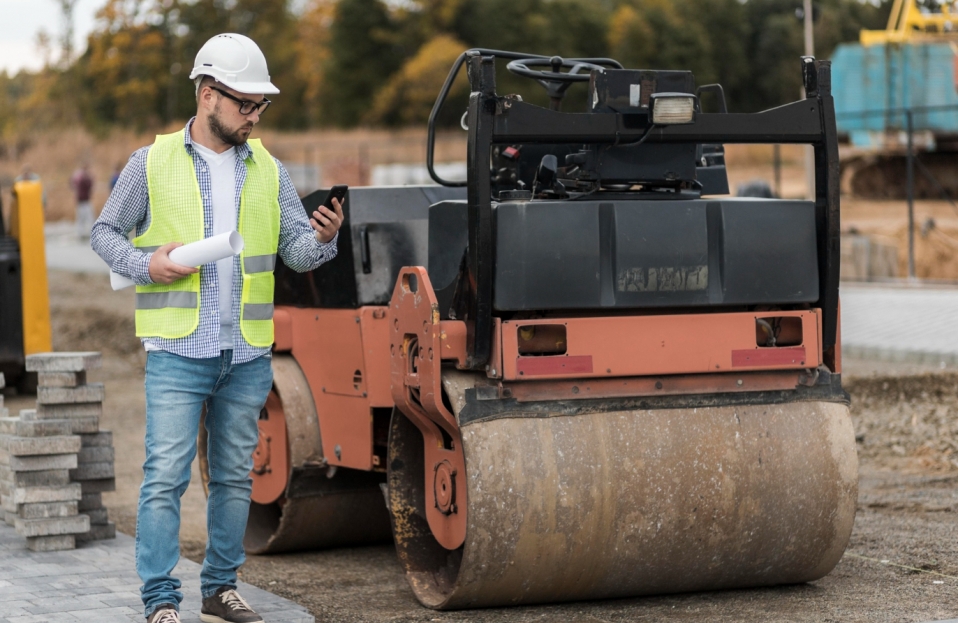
(195, 254)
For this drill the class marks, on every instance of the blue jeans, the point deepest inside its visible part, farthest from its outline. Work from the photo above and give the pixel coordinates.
(177, 388)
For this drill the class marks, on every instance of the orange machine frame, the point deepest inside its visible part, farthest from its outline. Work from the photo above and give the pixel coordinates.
(345, 355)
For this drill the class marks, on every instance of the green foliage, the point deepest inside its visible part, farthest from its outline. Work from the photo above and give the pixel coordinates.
(363, 54)
(348, 62)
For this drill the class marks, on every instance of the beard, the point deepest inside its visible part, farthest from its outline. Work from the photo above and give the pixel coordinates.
(235, 137)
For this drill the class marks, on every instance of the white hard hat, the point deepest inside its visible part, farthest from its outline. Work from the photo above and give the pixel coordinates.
(236, 61)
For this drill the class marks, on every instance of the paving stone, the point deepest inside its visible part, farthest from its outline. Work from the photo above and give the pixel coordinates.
(51, 543)
(31, 446)
(97, 582)
(30, 495)
(92, 471)
(63, 362)
(90, 501)
(94, 454)
(40, 462)
(84, 425)
(19, 427)
(66, 411)
(98, 532)
(98, 516)
(98, 486)
(52, 525)
(70, 395)
(45, 478)
(102, 438)
(61, 379)
(44, 510)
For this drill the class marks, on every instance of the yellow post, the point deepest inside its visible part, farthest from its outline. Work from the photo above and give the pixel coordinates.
(26, 225)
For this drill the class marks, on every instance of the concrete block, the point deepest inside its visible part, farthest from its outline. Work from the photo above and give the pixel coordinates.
(52, 525)
(1, 398)
(100, 439)
(63, 362)
(80, 425)
(98, 533)
(98, 516)
(61, 379)
(90, 501)
(31, 495)
(66, 411)
(36, 463)
(56, 543)
(9, 517)
(92, 471)
(46, 510)
(98, 486)
(31, 446)
(70, 395)
(94, 454)
(18, 427)
(44, 478)
(28, 415)
(3, 381)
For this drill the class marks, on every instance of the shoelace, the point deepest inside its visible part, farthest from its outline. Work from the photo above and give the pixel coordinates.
(167, 616)
(233, 601)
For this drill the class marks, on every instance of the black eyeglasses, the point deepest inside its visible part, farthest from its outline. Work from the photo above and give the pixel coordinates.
(246, 107)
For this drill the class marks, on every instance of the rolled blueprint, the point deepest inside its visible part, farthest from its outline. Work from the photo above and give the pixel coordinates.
(194, 254)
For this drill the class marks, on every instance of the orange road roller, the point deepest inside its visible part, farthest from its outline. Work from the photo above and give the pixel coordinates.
(583, 372)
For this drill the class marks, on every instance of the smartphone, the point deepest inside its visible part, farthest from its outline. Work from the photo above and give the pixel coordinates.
(338, 191)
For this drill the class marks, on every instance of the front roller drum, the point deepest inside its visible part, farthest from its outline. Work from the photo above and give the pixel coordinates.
(631, 502)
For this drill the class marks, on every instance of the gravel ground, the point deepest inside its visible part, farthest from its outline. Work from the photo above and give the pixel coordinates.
(901, 564)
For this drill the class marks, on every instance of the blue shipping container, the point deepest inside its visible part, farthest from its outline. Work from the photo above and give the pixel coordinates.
(887, 78)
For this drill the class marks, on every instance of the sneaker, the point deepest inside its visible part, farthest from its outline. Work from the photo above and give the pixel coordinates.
(164, 613)
(226, 606)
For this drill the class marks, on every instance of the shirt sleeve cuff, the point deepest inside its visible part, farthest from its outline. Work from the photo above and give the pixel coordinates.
(323, 245)
(140, 268)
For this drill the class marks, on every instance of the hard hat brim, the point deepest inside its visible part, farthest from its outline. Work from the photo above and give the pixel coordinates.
(252, 88)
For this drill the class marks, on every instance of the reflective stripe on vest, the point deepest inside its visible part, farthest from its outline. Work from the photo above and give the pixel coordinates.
(176, 215)
(258, 311)
(259, 263)
(161, 300)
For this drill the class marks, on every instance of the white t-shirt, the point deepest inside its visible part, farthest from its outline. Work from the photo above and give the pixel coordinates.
(223, 181)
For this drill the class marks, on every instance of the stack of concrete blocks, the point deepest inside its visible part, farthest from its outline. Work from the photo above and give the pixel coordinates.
(36, 494)
(64, 395)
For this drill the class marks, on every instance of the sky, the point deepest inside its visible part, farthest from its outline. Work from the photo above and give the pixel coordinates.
(21, 20)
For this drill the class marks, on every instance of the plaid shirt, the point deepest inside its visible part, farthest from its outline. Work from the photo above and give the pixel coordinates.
(129, 207)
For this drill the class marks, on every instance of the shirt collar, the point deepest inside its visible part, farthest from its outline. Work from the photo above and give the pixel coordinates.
(244, 151)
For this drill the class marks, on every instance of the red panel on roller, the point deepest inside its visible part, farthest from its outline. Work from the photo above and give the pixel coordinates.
(543, 366)
(768, 357)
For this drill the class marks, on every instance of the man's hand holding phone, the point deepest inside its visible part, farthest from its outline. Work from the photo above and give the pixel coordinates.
(328, 218)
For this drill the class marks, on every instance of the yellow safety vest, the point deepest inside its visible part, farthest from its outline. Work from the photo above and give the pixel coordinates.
(176, 215)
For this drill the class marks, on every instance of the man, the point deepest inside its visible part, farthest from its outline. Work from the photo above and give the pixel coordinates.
(207, 331)
(82, 185)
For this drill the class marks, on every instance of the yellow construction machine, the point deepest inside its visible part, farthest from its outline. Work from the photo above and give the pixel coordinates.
(24, 295)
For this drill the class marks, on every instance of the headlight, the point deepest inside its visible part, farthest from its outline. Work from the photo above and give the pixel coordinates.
(672, 108)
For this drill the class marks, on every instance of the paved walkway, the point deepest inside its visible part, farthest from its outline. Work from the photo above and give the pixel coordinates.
(916, 324)
(97, 582)
(67, 251)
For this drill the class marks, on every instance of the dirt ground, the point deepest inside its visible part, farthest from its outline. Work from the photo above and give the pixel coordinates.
(901, 564)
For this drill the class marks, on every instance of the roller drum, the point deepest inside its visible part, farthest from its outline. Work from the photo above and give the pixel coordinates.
(633, 502)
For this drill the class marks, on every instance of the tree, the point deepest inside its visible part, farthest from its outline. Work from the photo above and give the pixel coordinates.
(363, 55)
(408, 97)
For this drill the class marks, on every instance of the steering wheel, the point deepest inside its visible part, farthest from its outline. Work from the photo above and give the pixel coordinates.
(555, 81)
